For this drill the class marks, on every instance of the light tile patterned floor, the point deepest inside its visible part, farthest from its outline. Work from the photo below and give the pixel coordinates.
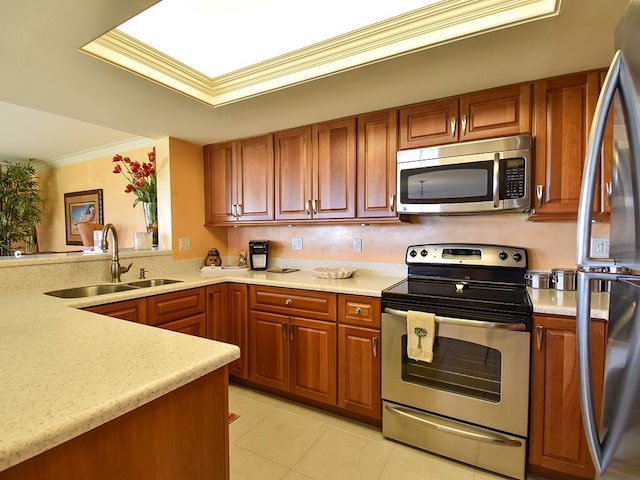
(274, 439)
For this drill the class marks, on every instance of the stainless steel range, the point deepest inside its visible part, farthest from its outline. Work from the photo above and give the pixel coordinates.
(469, 398)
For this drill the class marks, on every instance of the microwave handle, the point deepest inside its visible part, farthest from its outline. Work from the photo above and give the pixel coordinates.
(496, 180)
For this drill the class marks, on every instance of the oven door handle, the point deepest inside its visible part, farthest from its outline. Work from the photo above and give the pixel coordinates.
(455, 429)
(519, 327)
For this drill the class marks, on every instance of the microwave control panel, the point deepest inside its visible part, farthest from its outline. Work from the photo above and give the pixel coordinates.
(513, 178)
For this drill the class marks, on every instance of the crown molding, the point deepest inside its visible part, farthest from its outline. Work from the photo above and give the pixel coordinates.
(434, 25)
(99, 152)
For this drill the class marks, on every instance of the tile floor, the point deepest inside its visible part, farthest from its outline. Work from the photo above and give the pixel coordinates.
(274, 439)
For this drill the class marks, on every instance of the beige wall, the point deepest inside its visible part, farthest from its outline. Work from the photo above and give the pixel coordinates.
(550, 244)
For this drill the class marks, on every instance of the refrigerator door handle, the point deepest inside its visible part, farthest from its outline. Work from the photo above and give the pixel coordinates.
(591, 164)
(583, 353)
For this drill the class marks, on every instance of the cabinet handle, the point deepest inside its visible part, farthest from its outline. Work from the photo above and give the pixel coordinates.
(608, 187)
(463, 124)
(539, 192)
(314, 206)
(358, 310)
(392, 202)
(307, 207)
(234, 210)
(374, 345)
(284, 330)
(291, 329)
(454, 123)
(239, 210)
(539, 333)
(288, 301)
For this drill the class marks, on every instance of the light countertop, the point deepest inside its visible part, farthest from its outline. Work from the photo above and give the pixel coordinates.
(66, 371)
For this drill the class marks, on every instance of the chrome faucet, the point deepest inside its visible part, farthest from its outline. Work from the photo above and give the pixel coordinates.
(116, 269)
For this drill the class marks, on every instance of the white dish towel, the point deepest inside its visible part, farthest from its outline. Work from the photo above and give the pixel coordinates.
(421, 331)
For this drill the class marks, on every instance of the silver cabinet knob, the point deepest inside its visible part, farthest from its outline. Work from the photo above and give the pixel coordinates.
(358, 310)
(288, 301)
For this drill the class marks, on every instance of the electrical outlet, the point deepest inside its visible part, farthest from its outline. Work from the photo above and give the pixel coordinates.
(357, 245)
(600, 247)
(184, 244)
(296, 243)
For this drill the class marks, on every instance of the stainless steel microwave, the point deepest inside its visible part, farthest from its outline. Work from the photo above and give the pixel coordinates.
(470, 177)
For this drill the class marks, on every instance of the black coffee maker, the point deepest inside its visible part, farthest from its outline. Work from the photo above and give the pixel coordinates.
(258, 254)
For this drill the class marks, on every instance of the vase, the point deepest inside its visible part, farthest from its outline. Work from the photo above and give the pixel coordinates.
(151, 218)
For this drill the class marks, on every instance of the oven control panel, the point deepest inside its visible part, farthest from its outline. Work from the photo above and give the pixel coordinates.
(466, 254)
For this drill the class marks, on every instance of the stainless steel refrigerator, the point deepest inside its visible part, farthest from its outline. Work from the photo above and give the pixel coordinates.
(614, 443)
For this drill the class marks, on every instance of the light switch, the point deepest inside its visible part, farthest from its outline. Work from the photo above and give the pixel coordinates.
(296, 243)
(357, 245)
(184, 244)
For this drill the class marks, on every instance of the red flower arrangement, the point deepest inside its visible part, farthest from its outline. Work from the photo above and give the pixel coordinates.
(141, 178)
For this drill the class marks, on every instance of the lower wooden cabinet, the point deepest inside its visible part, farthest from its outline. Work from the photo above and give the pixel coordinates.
(557, 446)
(183, 311)
(293, 353)
(359, 366)
(227, 321)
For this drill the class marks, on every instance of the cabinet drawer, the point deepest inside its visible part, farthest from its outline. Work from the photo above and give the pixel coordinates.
(302, 303)
(359, 310)
(132, 310)
(172, 306)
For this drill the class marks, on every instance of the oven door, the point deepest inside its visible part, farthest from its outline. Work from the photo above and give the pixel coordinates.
(479, 373)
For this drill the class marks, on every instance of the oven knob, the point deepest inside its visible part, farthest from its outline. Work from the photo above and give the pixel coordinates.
(517, 257)
(413, 253)
(503, 255)
(424, 252)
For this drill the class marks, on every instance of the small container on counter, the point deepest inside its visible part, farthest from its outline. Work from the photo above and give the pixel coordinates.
(538, 279)
(564, 279)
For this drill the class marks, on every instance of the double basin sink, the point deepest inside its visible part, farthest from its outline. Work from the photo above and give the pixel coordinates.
(102, 289)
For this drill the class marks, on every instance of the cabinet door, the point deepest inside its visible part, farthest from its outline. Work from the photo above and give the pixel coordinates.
(376, 164)
(334, 169)
(219, 183)
(269, 349)
(237, 313)
(359, 370)
(293, 174)
(495, 113)
(254, 167)
(227, 321)
(564, 107)
(557, 443)
(194, 325)
(313, 359)
(427, 124)
(132, 310)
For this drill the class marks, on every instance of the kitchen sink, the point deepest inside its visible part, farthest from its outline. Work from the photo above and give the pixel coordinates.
(91, 290)
(153, 282)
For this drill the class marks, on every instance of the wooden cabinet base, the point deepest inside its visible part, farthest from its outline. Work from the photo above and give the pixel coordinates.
(183, 434)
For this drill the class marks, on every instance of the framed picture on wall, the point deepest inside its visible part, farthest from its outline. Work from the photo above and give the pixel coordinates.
(79, 207)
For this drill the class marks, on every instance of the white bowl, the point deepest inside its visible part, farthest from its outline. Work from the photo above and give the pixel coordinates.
(328, 272)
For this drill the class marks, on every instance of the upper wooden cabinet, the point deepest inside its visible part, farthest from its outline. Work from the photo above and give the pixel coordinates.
(376, 164)
(316, 171)
(564, 108)
(491, 113)
(239, 180)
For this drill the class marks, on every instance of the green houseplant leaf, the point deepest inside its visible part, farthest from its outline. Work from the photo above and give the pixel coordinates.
(19, 204)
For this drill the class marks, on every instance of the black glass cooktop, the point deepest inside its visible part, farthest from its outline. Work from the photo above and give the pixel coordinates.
(480, 300)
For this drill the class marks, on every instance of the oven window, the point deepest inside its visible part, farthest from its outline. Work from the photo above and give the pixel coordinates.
(459, 367)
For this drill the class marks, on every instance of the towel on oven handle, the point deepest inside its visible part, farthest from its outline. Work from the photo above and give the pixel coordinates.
(421, 332)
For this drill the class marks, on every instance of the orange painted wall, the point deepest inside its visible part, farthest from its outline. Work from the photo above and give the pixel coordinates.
(187, 203)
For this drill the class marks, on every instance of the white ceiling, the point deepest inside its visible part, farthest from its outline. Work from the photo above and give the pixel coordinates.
(56, 102)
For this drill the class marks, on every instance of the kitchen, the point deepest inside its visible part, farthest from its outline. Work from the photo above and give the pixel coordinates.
(550, 244)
